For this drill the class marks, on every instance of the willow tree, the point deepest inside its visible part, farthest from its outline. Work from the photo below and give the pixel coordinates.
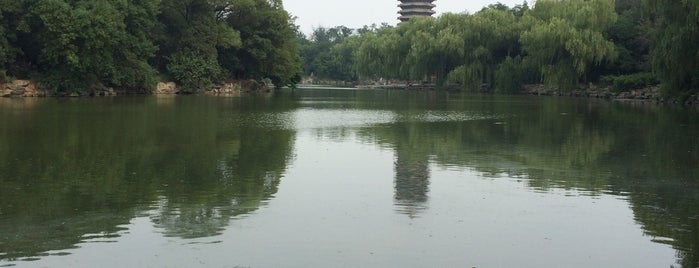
(414, 50)
(489, 37)
(675, 54)
(343, 57)
(383, 54)
(437, 47)
(567, 37)
(367, 66)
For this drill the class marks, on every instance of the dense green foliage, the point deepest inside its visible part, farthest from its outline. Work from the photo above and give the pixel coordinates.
(80, 45)
(561, 43)
(565, 37)
(331, 53)
(630, 81)
(675, 54)
(75, 45)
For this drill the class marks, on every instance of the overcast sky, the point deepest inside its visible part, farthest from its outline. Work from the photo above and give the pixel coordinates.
(357, 13)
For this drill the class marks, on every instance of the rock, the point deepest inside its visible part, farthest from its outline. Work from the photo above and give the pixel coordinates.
(20, 83)
(232, 88)
(21, 88)
(30, 88)
(166, 88)
(18, 91)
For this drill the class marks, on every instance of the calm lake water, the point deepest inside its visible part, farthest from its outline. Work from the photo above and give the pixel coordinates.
(347, 178)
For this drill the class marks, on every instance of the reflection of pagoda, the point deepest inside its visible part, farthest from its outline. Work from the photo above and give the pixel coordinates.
(412, 185)
(415, 9)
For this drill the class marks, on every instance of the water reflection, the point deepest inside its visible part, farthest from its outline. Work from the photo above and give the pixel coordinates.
(82, 171)
(75, 172)
(647, 154)
(412, 185)
(411, 166)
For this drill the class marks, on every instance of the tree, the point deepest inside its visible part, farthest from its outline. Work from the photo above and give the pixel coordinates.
(194, 31)
(268, 48)
(436, 48)
(330, 53)
(675, 44)
(489, 36)
(83, 43)
(10, 14)
(631, 34)
(566, 37)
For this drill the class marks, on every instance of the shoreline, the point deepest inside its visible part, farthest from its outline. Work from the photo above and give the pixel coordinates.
(644, 95)
(28, 89)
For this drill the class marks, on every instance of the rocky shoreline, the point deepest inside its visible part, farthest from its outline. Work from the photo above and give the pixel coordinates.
(648, 94)
(27, 88)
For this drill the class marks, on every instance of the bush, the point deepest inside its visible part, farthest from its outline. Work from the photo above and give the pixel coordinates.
(512, 73)
(629, 82)
(194, 71)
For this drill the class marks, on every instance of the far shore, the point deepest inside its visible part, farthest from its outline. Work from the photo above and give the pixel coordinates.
(26, 88)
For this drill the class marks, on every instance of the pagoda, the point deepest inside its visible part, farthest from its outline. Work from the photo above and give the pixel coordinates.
(415, 9)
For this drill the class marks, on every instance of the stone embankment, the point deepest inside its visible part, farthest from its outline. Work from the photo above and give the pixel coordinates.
(21, 88)
(26, 88)
(648, 94)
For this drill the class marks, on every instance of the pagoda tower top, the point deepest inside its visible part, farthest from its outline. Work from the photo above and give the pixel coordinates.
(415, 9)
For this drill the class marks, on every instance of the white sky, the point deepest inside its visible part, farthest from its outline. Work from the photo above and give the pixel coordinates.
(357, 13)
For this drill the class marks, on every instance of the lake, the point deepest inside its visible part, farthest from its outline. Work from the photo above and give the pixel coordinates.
(347, 178)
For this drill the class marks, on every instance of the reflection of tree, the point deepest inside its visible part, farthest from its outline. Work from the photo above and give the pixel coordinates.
(216, 169)
(647, 153)
(65, 179)
(669, 215)
(77, 171)
(661, 176)
(201, 201)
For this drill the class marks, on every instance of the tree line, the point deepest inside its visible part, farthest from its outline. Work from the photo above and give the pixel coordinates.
(560, 43)
(74, 45)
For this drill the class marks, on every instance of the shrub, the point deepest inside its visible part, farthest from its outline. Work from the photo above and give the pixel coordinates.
(193, 71)
(632, 81)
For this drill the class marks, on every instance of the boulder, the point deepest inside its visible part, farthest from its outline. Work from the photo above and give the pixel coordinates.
(30, 88)
(166, 88)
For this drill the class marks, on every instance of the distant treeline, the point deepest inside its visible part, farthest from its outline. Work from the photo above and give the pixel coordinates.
(561, 43)
(73, 45)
